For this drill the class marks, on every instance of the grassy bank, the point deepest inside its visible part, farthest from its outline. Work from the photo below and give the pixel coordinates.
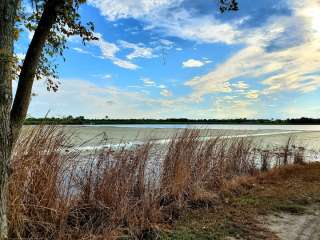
(130, 193)
(291, 189)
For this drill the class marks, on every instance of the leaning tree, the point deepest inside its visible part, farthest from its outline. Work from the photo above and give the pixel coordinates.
(52, 22)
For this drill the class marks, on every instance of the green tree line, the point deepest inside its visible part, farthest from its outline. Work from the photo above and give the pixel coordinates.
(81, 120)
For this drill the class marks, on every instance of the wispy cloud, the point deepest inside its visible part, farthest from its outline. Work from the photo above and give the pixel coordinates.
(107, 76)
(165, 92)
(166, 42)
(171, 18)
(125, 64)
(97, 101)
(281, 69)
(109, 51)
(139, 51)
(266, 56)
(193, 63)
(114, 9)
(252, 94)
(229, 107)
(240, 85)
(148, 82)
(81, 50)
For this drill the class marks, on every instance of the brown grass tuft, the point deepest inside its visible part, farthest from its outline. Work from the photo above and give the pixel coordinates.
(58, 192)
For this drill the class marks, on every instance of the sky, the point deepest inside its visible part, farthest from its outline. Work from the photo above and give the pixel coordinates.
(183, 58)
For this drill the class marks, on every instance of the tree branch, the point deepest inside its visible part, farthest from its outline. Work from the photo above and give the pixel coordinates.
(31, 62)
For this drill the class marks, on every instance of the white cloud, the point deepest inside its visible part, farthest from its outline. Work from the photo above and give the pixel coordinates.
(165, 92)
(267, 56)
(230, 108)
(166, 42)
(97, 102)
(148, 82)
(279, 63)
(94, 101)
(125, 64)
(252, 94)
(110, 50)
(300, 110)
(229, 97)
(193, 63)
(202, 29)
(241, 85)
(158, 15)
(138, 50)
(203, 85)
(81, 50)
(107, 76)
(115, 9)
(186, 25)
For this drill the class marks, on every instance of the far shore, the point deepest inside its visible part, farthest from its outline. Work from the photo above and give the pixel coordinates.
(81, 120)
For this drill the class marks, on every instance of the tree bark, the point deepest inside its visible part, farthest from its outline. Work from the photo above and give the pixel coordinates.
(5, 156)
(30, 65)
(11, 118)
(8, 10)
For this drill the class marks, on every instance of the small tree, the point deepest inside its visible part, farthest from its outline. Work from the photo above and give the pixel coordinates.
(52, 22)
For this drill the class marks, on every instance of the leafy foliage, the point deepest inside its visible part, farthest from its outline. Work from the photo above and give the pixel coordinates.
(228, 5)
(68, 24)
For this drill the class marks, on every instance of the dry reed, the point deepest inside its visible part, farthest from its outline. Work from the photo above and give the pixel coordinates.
(56, 192)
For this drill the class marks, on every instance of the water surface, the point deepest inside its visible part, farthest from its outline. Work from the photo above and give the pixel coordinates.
(273, 135)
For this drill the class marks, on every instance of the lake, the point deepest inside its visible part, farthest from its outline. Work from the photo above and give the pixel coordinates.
(268, 135)
(218, 126)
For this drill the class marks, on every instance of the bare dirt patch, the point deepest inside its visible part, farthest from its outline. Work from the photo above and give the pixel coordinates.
(296, 227)
(283, 204)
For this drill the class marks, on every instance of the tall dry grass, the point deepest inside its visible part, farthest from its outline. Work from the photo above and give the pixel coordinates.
(57, 192)
(194, 168)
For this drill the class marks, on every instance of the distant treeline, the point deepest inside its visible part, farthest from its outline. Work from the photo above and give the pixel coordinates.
(70, 120)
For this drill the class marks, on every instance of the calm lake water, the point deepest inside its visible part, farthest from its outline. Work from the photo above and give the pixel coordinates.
(268, 135)
(220, 126)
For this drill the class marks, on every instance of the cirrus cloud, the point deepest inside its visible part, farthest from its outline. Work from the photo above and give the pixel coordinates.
(278, 68)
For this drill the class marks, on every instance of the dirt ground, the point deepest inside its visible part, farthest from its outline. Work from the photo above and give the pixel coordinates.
(283, 204)
(296, 227)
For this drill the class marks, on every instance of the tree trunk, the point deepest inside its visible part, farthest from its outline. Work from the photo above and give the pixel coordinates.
(8, 10)
(5, 157)
(31, 62)
(13, 115)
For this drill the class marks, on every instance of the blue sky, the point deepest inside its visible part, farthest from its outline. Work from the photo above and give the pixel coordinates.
(183, 58)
